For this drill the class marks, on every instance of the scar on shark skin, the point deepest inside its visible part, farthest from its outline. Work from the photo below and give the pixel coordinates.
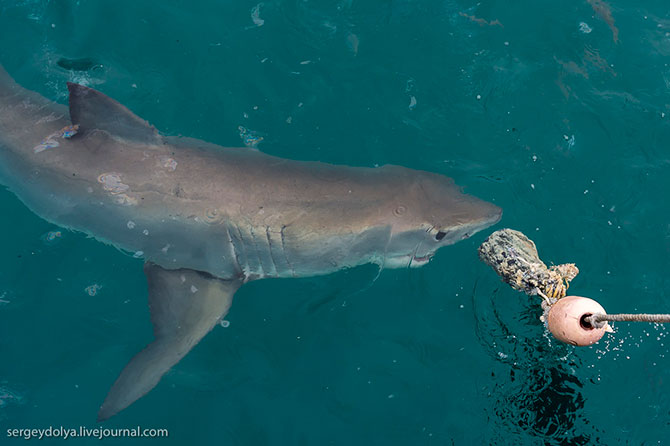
(125, 200)
(50, 142)
(111, 182)
(169, 163)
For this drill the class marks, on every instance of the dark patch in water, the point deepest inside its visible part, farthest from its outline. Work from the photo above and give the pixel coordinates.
(81, 64)
(492, 178)
(536, 396)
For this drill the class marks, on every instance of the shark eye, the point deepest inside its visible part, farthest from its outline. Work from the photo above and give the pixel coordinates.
(440, 235)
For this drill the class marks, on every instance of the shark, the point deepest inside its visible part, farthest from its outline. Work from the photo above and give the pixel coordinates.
(207, 219)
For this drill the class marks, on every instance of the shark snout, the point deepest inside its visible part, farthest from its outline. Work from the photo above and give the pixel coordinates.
(496, 214)
(478, 217)
(493, 216)
(490, 215)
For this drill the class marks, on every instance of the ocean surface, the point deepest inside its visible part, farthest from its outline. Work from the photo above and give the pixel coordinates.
(559, 112)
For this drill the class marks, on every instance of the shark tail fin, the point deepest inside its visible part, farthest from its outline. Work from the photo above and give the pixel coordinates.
(185, 305)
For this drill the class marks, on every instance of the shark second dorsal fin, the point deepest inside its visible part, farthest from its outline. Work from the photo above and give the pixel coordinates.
(185, 305)
(93, 110)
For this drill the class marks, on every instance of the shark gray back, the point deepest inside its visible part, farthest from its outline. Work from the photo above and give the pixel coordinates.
(207, 219)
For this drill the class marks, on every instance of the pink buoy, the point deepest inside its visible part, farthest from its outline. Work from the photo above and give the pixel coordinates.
(566, 321)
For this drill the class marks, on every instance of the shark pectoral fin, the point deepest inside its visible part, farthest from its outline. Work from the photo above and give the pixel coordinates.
(185, 305)
(91, 110)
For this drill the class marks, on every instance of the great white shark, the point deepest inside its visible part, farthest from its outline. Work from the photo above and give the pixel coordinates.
(207, 219)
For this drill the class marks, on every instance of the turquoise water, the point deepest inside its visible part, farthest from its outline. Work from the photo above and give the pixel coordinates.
(558, 112)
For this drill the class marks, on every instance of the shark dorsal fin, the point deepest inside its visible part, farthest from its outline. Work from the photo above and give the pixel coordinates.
(93, 110)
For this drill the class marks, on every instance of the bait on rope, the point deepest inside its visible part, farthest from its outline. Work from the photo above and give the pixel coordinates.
(571, 319)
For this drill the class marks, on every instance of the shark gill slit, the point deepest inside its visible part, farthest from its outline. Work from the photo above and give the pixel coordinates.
(411, 259)
(272, 257)
(386, 249)
(263, 271)
(245, 268)
(253, 260)
(233, 251)
(283, 248)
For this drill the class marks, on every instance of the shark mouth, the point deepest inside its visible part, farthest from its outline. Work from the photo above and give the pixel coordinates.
(407, 261)
(420, 261)
(416, 261)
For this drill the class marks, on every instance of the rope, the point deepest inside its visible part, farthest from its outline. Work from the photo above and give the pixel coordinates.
(598, 320)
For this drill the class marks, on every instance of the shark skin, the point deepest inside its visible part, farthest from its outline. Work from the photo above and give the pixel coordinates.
(206, 219)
